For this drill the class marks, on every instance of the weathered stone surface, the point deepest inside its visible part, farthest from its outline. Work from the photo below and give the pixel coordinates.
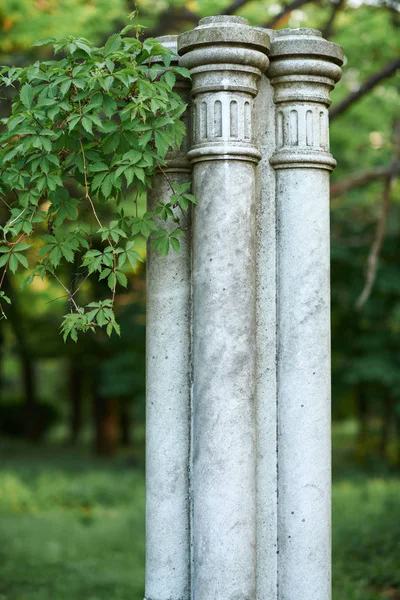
(264, 120)
(304, 68)
(255, 460)
(225, 57)
(168, 383)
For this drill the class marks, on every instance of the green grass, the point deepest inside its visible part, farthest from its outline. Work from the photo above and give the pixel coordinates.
(72, 527)
(366, 539)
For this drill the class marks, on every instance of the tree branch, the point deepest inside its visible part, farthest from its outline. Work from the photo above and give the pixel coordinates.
(388, 70)
(286, 11)
(373, 257)
(363, 178)
(232, 8)
(337, 6)
(372, 263)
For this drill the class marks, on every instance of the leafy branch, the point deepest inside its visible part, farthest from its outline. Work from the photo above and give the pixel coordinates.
(89, 130)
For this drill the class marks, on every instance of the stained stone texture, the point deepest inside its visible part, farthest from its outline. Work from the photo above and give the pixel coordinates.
(226, 58)
(168, 397)
(303, 70)
(238, 333)
(265, 417)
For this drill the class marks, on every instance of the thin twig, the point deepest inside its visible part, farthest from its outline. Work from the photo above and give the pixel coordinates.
(372, 263)
(171, 185)
(6, 203)
(373, 257)
(67, 291)
(99, 222)
(87, 195)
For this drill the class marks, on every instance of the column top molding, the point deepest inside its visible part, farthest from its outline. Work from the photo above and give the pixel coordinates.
(224, 30)
(224, 40)
(306, 42)
(300, 59)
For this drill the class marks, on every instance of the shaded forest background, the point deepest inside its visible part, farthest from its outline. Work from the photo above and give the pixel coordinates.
(98, 385)
(72, 416)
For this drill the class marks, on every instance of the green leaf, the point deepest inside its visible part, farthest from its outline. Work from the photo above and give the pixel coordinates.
(170, 78)
(175, 244)
(182, 71)
(44, 42)
(26, 95)
(4, 297)
(13, 263)
(122, 279)
(113, 44)
(87, 125)
(22, 259)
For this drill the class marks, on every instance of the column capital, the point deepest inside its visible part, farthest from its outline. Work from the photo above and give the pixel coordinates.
(304, 69)
(226, 58)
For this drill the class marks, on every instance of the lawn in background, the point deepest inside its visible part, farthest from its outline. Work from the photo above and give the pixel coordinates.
(72, 526)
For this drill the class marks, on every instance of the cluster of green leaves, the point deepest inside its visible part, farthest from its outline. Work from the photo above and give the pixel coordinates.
(90, 128)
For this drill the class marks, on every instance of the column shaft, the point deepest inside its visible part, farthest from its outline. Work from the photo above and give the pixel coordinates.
(168, 381)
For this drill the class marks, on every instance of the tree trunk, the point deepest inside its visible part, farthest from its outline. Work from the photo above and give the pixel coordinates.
(2, 342)
(76, 401)
(30, 414)
(387, 423)
(31, 420)
(362, 409)
(106, 416)
(125, 424)
(362, 412)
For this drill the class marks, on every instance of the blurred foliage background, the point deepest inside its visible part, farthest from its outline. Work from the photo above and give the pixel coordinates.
(72, 416)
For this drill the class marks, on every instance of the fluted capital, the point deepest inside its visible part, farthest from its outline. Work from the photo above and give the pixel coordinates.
(303, 71)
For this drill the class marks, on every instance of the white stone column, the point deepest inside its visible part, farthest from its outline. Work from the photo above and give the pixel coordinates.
(303, 70)
(226, 58)
(168, 381)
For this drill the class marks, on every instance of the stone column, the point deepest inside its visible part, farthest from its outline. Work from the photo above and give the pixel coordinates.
(168, 396)
(303, 70)
(226, 58)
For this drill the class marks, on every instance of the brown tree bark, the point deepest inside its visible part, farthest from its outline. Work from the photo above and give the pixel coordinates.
(388, 419)
(362, 414)
(30, 413)
(76, 400)
(106, 418)
(125, 424)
